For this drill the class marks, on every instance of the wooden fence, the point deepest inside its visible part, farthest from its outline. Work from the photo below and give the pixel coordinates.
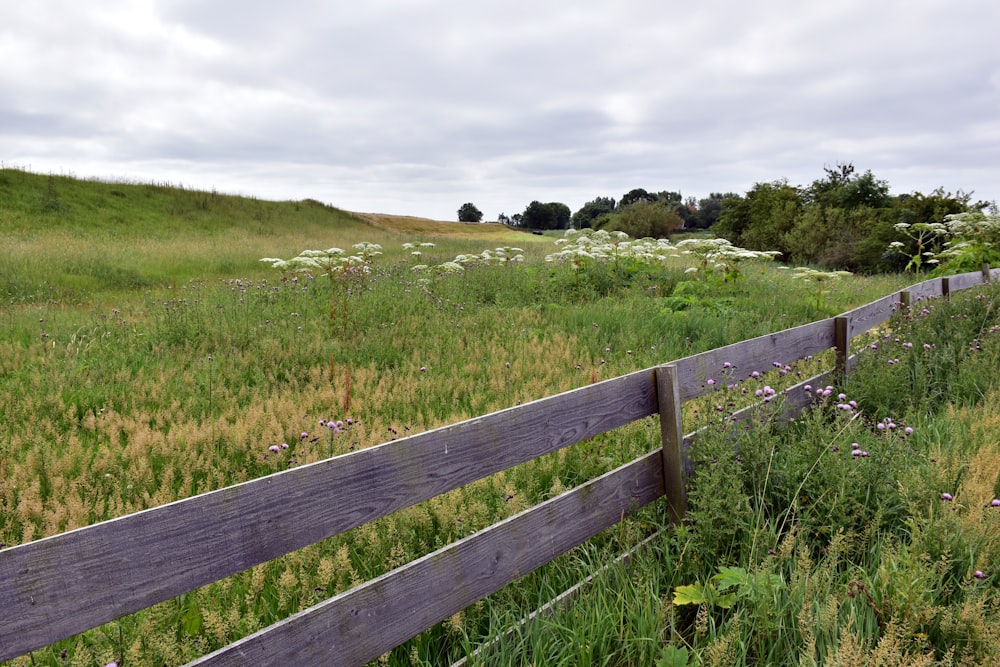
(59, 586)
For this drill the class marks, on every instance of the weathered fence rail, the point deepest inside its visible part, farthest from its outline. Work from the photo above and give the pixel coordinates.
(59, 586)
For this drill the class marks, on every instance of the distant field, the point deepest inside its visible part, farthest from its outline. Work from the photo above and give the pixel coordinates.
(148, 355)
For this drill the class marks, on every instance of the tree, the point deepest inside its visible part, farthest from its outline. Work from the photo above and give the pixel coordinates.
(592, 210)
(710, 208)
(634, 195)
(503, 219)
(553, 215)
(645, 219)
(469, 213)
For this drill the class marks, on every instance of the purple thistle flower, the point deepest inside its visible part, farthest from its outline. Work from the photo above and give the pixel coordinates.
(755, 375)
(979, 574)
(995, 503)
(303, 435)
(855, 445)
(284, 445)
(946, 496)
(710, 382)
(908, 431)
(856, 452)
(808, 387)
(274, 448)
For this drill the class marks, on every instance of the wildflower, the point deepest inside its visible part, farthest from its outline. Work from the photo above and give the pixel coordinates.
(303, 435)
(908, 430)
(274, 448)
(995, 503)
(727, 365)
(841, 396)
(946, 496)
(710, 382)
(927, 346)
(856, 452)
(284, 445)
(979, 574)
(755, 375)
(423, 369)
(807, 388)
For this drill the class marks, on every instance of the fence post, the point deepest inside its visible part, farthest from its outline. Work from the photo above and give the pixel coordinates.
(842, 332)
(904, 298)
(986, 272)
(946, 289)
(668, 400)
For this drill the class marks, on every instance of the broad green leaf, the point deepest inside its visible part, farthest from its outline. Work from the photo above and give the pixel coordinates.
(690, 594)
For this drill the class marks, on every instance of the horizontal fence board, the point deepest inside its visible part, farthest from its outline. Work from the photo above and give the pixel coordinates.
(965, 280)
(363, 623)
(872, 314)
(756, 354)
(925, 290)
(58, 586)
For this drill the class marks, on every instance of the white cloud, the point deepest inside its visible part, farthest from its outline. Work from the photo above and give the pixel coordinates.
(417, 107)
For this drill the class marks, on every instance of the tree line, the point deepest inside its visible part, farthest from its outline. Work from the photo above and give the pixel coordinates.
(842, 220)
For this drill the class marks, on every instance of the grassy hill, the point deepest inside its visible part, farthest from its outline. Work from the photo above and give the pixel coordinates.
(64, 238)
(147, 355)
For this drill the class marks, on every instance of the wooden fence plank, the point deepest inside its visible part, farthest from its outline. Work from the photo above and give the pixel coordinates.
(757, 354)
(361, 624)
(672, 437)
(873, 314)
(925, 290)
(61, 585)
(965, 280)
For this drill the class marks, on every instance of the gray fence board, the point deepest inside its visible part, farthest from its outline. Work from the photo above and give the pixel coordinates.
(61, 585)
(965, 280)
(365, 622)
(757, 354)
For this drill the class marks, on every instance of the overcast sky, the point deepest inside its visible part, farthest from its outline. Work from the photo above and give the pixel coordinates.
(415, 107)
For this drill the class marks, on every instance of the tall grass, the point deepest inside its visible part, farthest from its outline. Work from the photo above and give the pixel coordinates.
(147, 355)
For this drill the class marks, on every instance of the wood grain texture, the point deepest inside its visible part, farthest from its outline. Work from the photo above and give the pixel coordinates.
(62, 585)
(757, 354)
(965, 280)
(928, 289)
(873, 314)
(672, 437)
(365, 622)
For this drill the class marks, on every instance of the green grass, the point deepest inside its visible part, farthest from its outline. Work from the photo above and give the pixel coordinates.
(147, 355)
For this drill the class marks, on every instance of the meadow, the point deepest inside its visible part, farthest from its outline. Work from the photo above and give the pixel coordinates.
(147, 355)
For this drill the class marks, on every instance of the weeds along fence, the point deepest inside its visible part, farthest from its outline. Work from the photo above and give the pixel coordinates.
(59, 586)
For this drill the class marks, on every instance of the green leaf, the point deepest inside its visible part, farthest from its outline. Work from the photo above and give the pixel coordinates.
(730, 576)
(690, 594)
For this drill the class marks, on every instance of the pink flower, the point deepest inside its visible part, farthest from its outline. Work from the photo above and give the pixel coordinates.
(946, 496)
(274, 448)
